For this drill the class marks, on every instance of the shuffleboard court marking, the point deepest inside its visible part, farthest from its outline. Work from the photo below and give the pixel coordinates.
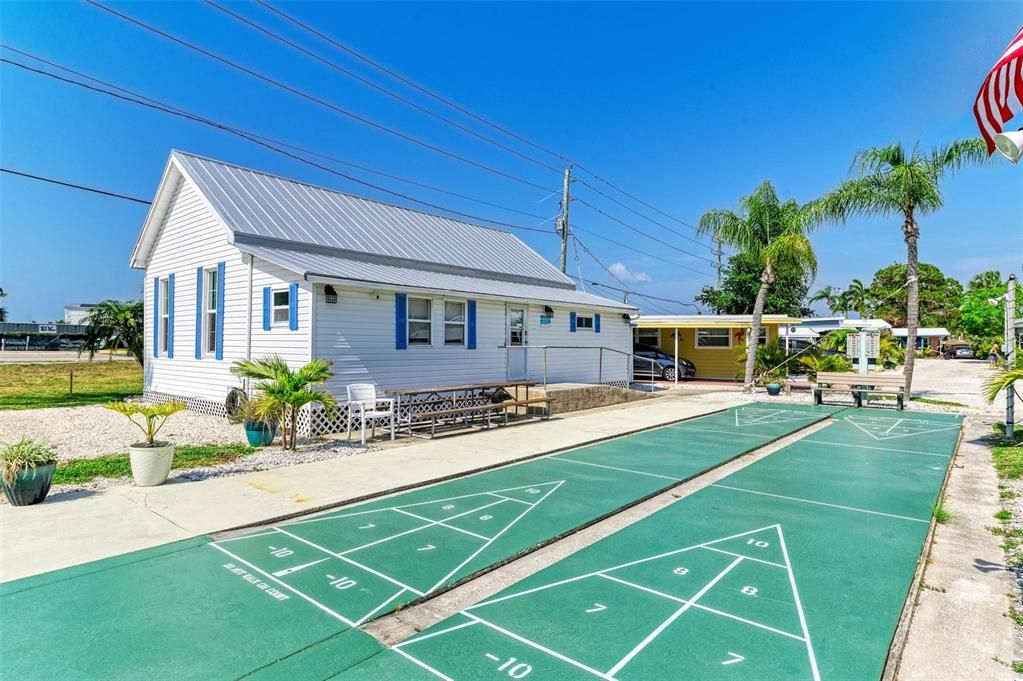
(768, 540)
(365, 618)
(724, 432)
(616, 468)
(818, 503)
(421, 664)
(890, 428)
(443, 524)
(674, 616)
(295, 591)
(879, 449)
(753, 416)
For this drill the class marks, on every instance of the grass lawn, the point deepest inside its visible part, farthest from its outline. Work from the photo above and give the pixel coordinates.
(77, 471)
(1008, 461)
(31, 386)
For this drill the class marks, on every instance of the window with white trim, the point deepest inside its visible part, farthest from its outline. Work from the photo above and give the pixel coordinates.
(211, 311)
(454, 323)
(584, 322)
(763, 336)
(164, 315)
(281, 307)
(420, 322)
(714, 338)
(650, 337)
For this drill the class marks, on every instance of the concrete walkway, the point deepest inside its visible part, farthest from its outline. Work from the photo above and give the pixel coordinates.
(77, 528)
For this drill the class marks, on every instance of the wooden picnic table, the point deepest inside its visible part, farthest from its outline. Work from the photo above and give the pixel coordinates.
(456, 392)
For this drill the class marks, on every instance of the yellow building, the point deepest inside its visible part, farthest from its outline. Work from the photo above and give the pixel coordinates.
(714, 343)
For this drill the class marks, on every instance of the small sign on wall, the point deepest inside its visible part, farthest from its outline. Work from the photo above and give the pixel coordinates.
(47, 328)
(545, 320)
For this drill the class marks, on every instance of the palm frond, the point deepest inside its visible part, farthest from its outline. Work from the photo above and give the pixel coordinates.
(1000, 382)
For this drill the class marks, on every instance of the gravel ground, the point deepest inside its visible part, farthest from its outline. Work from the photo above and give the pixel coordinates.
(87, 432)
(264, 459)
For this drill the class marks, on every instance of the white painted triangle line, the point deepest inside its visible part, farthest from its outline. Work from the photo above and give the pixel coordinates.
(288, 571)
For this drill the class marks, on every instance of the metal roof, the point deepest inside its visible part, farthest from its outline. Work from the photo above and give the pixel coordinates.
(359, 272)
(256, 203)
(702, 321)
(925, 331)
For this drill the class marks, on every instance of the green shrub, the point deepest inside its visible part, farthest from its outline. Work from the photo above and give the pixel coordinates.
(22, 455)
(815, 364)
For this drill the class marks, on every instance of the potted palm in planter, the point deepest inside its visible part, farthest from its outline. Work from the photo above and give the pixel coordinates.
(150, 460)
(26, 470)
(260, 421)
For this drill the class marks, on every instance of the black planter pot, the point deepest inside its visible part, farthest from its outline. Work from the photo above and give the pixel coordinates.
(259, 434)
(31, 486)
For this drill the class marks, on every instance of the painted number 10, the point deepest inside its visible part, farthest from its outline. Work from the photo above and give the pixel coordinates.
(514, 668)
(757, 542)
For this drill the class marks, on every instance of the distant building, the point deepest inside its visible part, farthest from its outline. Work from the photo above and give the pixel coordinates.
(926, 337)
(76, 314)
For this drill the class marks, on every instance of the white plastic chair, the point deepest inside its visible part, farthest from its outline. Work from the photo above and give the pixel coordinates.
(362, 398)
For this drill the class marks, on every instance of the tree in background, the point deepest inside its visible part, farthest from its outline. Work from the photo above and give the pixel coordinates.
(830, 296)
(938, 296)
(988, 279)
(740, 283)
(894, 181)
(857, 297)
(982, 319)
(3, 310)
(774, 234)
(113, 324)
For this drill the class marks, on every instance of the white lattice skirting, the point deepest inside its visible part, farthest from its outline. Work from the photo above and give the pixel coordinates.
(196, 404)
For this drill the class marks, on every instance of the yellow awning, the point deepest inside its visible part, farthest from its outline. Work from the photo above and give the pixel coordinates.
(711, 322)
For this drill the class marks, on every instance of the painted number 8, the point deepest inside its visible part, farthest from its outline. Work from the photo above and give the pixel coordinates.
(749, 590)
(681, 571)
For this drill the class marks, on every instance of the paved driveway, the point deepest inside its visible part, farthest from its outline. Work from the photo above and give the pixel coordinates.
(45, 356)
(956, 380)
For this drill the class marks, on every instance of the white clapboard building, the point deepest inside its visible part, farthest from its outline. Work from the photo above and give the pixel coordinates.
(243, 264)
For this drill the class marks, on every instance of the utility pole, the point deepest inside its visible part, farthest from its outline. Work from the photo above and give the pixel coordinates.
(1010, 353)
(563, 220)
(717, 265)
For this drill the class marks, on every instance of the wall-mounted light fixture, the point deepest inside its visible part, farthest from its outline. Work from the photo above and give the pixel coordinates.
(330, 293)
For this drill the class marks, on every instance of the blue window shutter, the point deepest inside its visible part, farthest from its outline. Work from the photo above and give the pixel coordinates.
(470, 339)
(571, 322)
(266, 307)
(596, 323)
(156, 316)
(170, 315)
(400, 321)
(198, 311)
(220, 310)
(293, 307)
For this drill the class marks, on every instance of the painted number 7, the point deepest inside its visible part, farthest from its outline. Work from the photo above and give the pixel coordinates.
(733, 658)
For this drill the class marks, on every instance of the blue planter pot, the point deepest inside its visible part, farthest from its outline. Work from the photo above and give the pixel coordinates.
(773, 388)
(260, 434)
(31, 485)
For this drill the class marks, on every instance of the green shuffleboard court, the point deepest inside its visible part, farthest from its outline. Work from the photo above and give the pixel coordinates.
(795, 567)
(285, 602)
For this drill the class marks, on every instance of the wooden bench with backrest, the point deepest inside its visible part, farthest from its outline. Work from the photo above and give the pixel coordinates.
(860, 386)
(486, 410)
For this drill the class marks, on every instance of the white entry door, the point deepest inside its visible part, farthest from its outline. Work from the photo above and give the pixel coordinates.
(516, 343)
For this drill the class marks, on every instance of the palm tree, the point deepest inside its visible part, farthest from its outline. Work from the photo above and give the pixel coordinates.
(3, 310)
(773, 232)
(988, 279)
(113, 324)
(829, 295)
(907, 183)
(857, 297)
(1001, 381)
(282, 392)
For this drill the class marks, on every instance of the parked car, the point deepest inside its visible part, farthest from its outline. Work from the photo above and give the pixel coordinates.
(963, 352)
(662, 366)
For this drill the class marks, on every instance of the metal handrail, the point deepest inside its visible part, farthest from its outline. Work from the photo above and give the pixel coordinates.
(600, 360)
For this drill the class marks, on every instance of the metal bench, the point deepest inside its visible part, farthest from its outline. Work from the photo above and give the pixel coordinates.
(860, 386)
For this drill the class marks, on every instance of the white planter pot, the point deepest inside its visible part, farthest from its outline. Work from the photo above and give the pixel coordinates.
(150, 465)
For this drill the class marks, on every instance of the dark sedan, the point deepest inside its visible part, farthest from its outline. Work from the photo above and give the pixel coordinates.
(661, 366)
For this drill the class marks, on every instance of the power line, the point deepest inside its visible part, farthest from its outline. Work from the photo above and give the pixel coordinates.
(626, 289)
(264, 138)
(255, 140)
(72, 185)
(407, 81)
(639, 231)
(379, 88)
(636, 250)
(313, 98)
(467, 112)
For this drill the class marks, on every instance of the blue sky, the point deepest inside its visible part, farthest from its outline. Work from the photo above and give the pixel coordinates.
(687, 106)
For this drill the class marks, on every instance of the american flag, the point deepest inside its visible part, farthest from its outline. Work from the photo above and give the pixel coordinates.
(993, 106)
